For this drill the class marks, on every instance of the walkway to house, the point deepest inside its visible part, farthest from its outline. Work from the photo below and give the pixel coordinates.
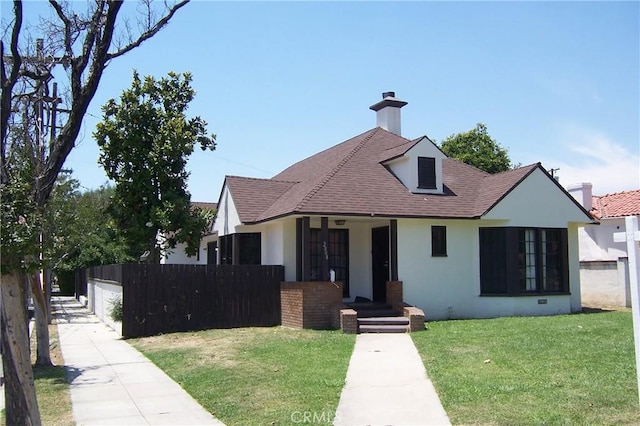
(111, 382)
(387, 385)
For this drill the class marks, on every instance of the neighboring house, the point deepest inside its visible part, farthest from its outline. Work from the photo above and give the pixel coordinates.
(207, 251)
(604, 272)
(379, 207)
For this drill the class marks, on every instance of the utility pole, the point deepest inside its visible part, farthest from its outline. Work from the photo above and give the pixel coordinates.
(40, 125)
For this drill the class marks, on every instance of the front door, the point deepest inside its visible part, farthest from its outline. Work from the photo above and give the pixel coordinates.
(380, 262)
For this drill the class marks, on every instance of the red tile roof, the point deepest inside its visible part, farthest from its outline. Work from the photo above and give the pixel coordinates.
(619, 204)
(351, 179)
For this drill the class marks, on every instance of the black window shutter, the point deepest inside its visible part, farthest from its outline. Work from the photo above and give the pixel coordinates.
(426, 173)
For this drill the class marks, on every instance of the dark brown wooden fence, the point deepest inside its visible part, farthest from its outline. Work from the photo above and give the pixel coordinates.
(168, 298)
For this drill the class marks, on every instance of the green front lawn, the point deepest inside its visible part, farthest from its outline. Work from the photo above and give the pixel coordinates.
(256, 376)
(566, 369)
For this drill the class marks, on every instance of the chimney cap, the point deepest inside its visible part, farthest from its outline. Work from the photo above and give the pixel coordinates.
(388, 100)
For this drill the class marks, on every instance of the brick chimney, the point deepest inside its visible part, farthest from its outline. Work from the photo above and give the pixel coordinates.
(582, 193)
(388, 112)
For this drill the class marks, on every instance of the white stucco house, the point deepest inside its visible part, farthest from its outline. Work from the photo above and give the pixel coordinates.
(207, 251)
(604, 271)
(380, 207)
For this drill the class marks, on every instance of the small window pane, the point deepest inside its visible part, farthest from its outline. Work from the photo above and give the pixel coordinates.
(493, 261)
(551, 260)
(438, 241)
(427, 173)
(250, 248)
(527, 259)
(226, 249)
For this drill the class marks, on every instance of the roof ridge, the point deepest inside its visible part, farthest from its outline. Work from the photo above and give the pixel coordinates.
(617, 193)
(335, 170)
(262, 179)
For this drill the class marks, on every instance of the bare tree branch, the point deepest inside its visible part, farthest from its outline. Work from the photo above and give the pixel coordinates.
(8, 82)
(81, 98)
(68, 43)
(147, 34)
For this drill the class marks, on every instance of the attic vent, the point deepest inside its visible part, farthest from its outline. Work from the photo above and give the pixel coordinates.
(427, 173)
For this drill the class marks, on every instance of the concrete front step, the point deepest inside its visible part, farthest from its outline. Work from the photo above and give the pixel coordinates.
(376, 328)
(383, 325)
(384, 321)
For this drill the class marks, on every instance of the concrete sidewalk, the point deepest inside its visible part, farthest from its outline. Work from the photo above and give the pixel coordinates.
(111, 382)
(387, 385)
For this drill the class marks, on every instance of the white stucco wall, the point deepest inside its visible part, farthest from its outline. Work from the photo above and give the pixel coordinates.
(227, 217)
(596, 242)
(179, 256)
(101, 296)
(289, 249)
(442, 287)
(605, 284)
(360, 268)
(406, 167)
(272, 240)
(449, 287)
(537, 202)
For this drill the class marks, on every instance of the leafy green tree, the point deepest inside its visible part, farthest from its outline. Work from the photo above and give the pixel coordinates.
(477, 148)
(82, 233)
(84, 39)
(145, 141)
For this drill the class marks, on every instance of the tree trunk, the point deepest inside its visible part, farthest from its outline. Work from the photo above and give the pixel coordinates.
(47, 293)
(20, 393)
(43, 356)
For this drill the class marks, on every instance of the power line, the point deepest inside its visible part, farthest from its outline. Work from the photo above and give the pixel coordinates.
(244, 165)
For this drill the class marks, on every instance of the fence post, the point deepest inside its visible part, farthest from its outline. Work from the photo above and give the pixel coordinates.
(632, 238)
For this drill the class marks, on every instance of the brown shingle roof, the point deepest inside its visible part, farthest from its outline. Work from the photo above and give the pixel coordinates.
(204, 205)
(619, 204)
(350, 179)
(252, 196)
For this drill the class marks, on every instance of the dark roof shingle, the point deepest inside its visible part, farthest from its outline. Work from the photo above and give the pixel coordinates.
(351, 179)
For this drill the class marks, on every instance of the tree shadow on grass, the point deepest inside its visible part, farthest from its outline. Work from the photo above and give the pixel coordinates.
(593, 310)
(55, 374)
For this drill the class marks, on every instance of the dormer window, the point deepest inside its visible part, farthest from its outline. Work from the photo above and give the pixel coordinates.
(427, 173)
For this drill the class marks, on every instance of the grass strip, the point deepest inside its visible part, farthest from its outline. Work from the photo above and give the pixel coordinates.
(256, 376)
(565, 369)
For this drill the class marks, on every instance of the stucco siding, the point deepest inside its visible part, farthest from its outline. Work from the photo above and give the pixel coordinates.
(605, 284)
(596, 242)
(537, 202)
(289, 248)
(179, 256)
(443, 287)
(359, 259)
(406, 167)
(449, 287)
(227, 218)
(272, 243)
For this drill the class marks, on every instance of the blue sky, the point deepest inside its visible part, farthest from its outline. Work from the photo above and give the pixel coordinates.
(554, 82)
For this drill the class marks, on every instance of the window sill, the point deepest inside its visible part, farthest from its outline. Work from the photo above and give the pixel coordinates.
(439, 255)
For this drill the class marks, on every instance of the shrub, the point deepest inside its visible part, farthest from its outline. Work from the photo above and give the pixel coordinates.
(116, 312)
